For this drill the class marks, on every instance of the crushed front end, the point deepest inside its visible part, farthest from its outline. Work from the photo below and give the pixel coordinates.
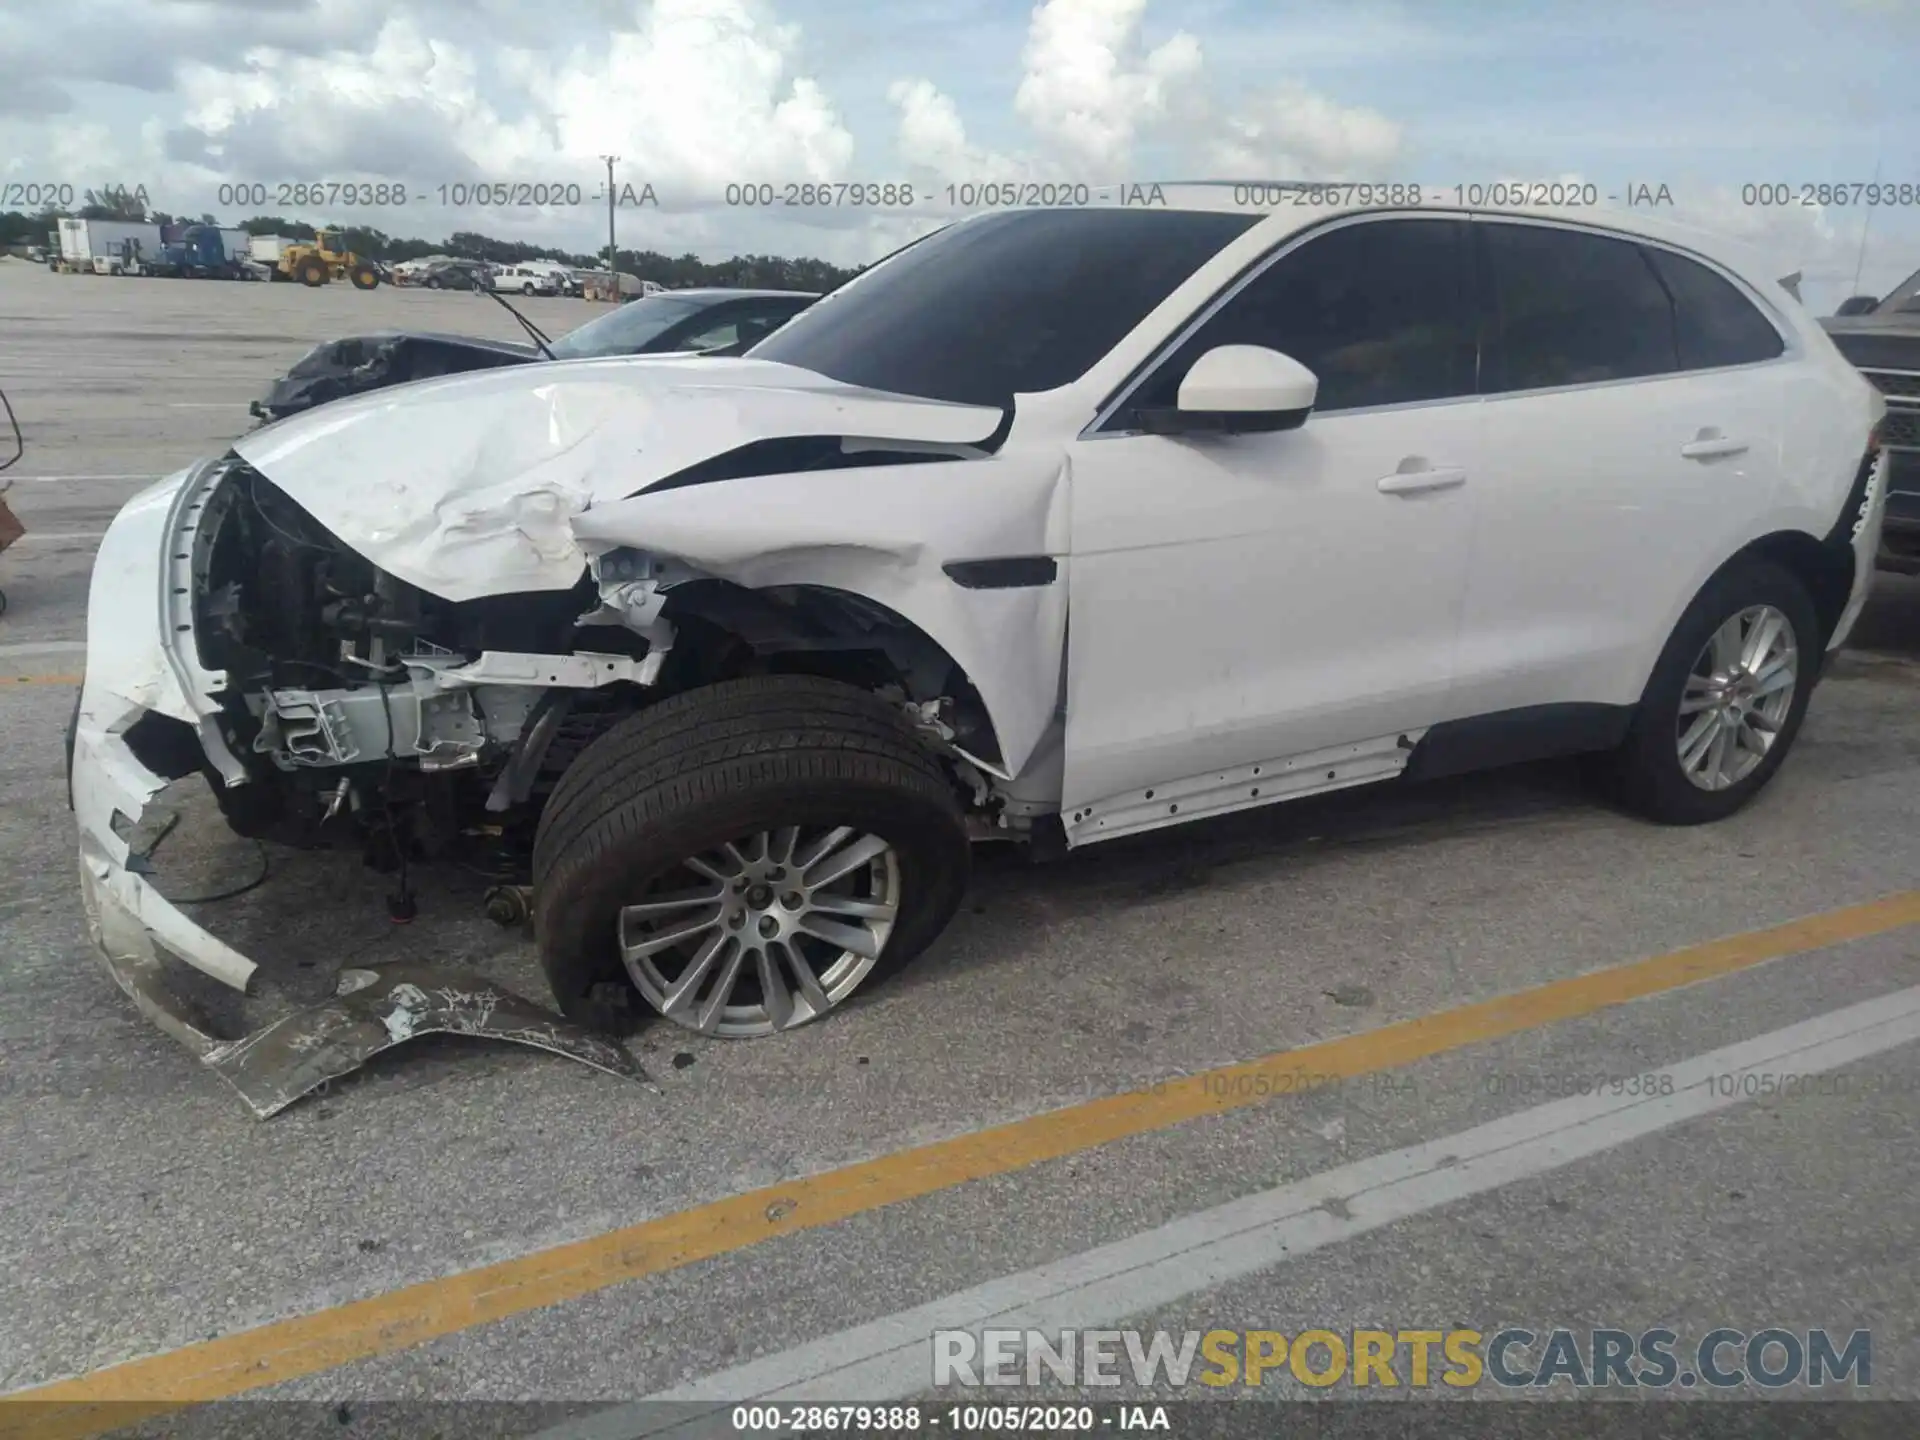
(326, 703)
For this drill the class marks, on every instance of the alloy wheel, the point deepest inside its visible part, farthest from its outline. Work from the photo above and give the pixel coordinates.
(765, 932)
(1737, 698)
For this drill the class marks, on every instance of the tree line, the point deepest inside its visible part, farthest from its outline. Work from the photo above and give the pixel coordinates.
(765, 272)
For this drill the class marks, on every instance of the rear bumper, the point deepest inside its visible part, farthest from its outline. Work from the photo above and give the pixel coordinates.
(1899, 549)
(1861, 529)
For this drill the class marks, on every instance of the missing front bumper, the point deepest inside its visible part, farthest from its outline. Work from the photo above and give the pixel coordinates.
(372, 1010)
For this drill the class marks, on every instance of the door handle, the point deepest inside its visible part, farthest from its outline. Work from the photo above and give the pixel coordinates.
(1418, 482)
(1710, 444)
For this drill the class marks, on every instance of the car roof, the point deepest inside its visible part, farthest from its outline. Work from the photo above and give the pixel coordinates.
(1328, 200)
(723, 292)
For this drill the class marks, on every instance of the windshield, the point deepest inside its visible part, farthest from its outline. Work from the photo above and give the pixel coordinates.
(989, 308)
(627, 330)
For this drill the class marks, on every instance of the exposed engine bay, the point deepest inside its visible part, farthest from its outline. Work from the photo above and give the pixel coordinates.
(363, 707)
(368, 712)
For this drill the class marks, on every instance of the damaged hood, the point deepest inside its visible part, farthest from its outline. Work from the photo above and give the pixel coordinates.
(467, 485)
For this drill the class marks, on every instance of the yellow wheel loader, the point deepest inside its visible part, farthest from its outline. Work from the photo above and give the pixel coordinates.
(324, 260)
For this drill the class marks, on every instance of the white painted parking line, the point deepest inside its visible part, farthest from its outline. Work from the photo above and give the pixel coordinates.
(892, 1358)
(65, 479)
(206, 404)
(43, 536)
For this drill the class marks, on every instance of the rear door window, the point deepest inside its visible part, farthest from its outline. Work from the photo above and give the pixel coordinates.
(1565, 307)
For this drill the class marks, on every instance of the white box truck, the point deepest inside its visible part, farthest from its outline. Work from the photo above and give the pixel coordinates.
(267, 248)
(107, 247)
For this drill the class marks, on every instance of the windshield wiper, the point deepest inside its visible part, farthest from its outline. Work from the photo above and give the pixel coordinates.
(539, 338)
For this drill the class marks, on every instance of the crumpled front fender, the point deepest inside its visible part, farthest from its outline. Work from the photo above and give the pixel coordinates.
(889, 533)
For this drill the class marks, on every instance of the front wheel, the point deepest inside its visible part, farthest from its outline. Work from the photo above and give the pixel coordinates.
(744, 857)
(1726, 699)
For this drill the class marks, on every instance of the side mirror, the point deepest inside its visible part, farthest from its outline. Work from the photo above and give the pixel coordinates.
(1857, 305)
(1238, 390)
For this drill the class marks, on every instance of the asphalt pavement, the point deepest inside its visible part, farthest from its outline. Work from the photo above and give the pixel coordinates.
(1451, 1006)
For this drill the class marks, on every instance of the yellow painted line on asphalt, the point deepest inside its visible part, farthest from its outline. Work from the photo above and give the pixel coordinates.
(283, 1350)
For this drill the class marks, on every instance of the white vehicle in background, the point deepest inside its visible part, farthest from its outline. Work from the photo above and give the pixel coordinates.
(1055, 526)
(524, 280)
(562, 276)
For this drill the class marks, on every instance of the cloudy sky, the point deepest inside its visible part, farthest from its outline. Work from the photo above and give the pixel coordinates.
(1703, 96)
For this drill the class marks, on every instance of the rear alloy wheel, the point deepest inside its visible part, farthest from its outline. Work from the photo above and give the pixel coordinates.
(1737, 698)
(1725, 700)
(744, 857)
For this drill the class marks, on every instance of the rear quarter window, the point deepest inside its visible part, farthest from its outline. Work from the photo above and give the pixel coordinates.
(1716, 324)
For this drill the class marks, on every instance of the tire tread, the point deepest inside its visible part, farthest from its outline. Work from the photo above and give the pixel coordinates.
(712, 757)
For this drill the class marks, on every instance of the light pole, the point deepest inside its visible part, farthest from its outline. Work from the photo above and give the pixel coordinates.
(1865, 220)
(613, 269)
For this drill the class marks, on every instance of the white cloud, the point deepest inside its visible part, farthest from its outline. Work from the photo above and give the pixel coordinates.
(932, 137)
(1090, 95)
(698, 97)
(411, 99)
(694, 96)
(1087, 89)
(931, 132)
(1295, 133)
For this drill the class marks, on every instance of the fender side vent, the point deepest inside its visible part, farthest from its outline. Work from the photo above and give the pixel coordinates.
(1012, 572)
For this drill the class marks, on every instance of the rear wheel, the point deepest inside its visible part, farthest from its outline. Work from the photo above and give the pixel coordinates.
(313, 272)
(1726, 699)
(744, 857)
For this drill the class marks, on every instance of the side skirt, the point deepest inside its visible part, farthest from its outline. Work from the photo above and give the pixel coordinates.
(1245, 787)
(1454, 747)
